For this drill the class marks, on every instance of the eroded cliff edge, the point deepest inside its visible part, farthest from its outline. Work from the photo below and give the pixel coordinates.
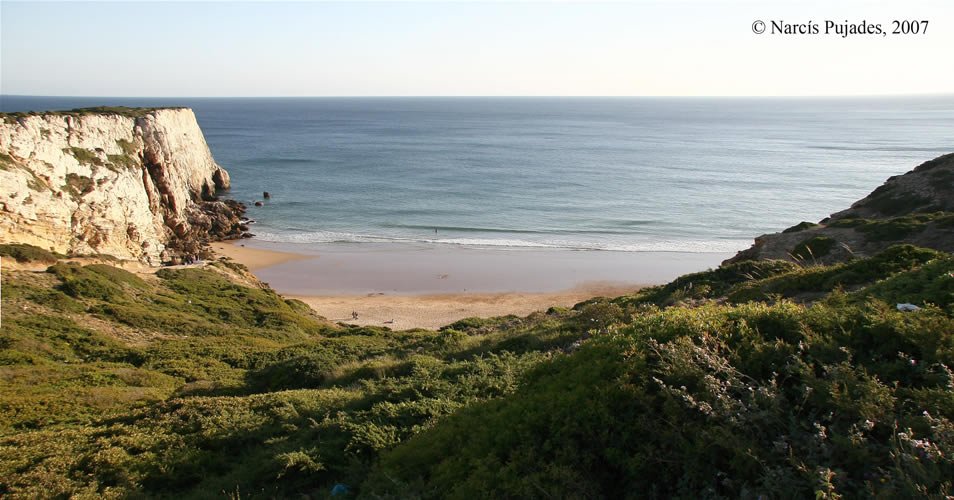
(134, 183)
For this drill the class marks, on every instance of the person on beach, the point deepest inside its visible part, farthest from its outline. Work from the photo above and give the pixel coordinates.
(354, 315)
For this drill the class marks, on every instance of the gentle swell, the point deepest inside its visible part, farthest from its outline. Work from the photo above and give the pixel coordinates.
(688, 246)
(466, 229)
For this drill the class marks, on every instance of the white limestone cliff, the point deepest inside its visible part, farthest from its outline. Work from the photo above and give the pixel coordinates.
(132, 183)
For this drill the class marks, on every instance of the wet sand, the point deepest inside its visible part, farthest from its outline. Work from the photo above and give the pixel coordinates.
(405, 286)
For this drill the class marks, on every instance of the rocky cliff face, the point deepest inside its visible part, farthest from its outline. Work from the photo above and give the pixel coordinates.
(916, 208)
(133, 183)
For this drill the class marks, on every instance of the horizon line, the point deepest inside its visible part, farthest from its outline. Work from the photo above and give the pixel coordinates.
(421, 96)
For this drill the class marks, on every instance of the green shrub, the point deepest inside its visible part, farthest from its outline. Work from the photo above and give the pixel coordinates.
(801, 226)
(112, 110)
(709, 284)
(296, 373)
(599, 315)
(817, 281)
(813, 248)
(96, 281)
(128, 148)
(122, 161)
(85, 156)
(932, 283)
(762, 398)
(897, 228)
(78, 185)
(471, 324)
(96, 110)
(21, 252)
(213, 297)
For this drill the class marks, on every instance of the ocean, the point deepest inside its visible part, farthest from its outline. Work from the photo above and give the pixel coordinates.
(615, 174)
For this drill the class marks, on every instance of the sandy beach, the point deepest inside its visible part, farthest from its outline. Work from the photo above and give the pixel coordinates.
(429, 287)
(254, 258)
(403, 312)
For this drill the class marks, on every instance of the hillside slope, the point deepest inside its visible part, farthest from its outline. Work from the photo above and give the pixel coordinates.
(917, 208)
(759, 379)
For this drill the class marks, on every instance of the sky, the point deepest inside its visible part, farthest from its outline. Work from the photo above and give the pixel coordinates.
(638, 48)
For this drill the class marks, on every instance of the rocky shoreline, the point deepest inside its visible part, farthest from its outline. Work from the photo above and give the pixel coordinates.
(208, 221)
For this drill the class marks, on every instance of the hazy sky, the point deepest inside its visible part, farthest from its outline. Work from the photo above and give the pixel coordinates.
(357, 49)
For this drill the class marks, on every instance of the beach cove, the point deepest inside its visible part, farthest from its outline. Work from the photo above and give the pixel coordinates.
(405, 286)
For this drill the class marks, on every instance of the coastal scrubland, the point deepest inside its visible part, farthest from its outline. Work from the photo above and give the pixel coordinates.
(816, 364)
(759, 378)
(78, 112)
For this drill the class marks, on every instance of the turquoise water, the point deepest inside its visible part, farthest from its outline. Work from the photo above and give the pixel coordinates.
(625, 174)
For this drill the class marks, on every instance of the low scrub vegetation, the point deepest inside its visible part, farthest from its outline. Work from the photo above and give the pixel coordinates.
(757, 379)
(813, 248)
(755, 400)
(21, 252)
(129, 112)
(801, 226)
(897, 228)
(85, 156)
(78, 185)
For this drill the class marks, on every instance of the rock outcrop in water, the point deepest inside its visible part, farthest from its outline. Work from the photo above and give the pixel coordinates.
(128, 182)
(917, 208)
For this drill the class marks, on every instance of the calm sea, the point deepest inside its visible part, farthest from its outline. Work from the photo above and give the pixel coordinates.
(625, 174)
